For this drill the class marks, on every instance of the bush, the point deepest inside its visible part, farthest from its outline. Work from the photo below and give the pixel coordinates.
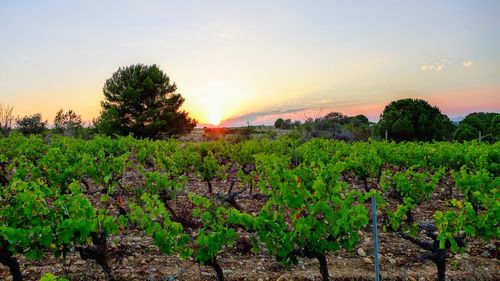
(31, 125)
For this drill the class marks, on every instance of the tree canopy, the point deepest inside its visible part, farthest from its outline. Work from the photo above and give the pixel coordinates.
(29, 125)
(6, 119)
(286, 124)
(141, 100)
(278, 124)
(68, 123)
(486, 123)
(414, 119)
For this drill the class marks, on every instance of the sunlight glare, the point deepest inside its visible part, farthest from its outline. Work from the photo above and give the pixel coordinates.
(215, 101)
(214, 119)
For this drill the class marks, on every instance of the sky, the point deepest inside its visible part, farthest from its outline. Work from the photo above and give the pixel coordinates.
(250, 62)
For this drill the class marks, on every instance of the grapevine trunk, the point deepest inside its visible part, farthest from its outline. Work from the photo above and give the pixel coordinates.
(8, 260)
(216, 267)
(323, 267)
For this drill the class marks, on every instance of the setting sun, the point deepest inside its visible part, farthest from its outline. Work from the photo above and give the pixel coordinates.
(214, 119)
(216, 101)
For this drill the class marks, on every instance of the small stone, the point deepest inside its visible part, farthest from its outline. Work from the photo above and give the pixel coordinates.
(412, 276)
(282, 278)
(491, 247)
(205, 273)
(486, 254)
(260, 279)
(361, 252)
(392, 260)
(421, 278)
(367, 260)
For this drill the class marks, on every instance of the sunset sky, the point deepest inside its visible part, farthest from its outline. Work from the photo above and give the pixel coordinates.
(255, 61)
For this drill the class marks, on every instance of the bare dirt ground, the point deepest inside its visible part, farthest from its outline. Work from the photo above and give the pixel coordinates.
(135, 257)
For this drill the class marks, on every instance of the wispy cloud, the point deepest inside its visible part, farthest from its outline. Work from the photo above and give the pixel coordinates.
(433, 67)
(255, 116)
(308, 110)
(467, 63)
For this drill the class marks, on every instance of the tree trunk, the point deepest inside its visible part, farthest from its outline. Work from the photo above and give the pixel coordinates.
(216, 267)
(8, 260)
(323, 267)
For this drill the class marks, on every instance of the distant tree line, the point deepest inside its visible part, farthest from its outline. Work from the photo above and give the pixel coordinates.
(139, 100)
(65, 123)
(402, 120)
(334, 125)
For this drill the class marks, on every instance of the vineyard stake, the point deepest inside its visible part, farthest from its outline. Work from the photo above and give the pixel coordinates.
(375, 238)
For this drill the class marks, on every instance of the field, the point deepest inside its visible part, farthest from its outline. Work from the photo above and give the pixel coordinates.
(127, 209)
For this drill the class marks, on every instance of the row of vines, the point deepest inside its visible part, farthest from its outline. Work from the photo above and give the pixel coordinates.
(315, 197)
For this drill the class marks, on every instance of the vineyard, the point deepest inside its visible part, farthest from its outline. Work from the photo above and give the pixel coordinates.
(128, 209)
